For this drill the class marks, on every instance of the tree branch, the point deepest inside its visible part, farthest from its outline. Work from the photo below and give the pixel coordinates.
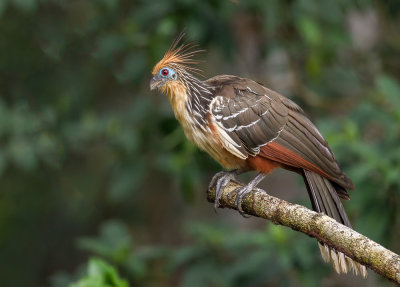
(327, 230)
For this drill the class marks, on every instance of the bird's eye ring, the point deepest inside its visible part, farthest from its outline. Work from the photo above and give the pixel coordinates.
(164, 72)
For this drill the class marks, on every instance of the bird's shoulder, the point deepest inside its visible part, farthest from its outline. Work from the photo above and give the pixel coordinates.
(237, 88)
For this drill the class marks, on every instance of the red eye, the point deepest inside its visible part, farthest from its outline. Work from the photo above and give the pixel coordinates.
(164, 72)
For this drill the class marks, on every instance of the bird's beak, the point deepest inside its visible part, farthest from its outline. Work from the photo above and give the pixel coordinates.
(155, 82)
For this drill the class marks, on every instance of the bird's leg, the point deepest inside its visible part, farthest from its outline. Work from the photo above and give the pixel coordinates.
(242, 191)
(221, 180)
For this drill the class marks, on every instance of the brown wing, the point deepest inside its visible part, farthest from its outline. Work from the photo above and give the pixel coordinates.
(261, 122)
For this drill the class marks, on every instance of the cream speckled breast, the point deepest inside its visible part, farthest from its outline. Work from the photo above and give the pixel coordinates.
(208, 140)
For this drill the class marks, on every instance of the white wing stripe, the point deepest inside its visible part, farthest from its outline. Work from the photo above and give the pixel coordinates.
(247, 126)
(234, 115)
(227, 142)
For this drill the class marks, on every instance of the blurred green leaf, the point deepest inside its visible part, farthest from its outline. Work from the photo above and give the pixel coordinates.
(310, 30)
(100, 274)
(114, 242)
(390, 88)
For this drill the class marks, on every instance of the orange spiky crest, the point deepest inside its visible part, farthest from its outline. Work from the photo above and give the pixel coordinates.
(179, 55)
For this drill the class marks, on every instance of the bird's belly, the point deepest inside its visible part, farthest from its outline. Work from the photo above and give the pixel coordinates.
(207, 141)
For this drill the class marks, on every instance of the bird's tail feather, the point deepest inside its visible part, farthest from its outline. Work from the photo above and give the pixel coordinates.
(324, 198)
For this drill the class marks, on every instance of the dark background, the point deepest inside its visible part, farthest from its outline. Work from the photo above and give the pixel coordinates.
(93, 164)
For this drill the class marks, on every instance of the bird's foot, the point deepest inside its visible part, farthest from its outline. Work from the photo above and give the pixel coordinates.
(242, 191)
(240, 194)
(220, 181)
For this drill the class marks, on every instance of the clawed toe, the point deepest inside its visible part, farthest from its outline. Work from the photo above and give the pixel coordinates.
(214, 179)
(220, 181)
(242, 191)
(240, 194)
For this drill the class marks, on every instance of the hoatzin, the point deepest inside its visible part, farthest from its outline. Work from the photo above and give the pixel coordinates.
(245, 126)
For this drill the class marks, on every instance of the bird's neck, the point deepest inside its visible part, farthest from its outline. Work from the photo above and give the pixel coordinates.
(190, 100)
(199, 95)
(177, 96)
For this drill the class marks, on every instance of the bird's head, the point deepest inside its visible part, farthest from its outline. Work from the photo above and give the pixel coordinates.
(171, 70)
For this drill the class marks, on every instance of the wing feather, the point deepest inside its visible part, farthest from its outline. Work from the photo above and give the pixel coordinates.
(250, 117)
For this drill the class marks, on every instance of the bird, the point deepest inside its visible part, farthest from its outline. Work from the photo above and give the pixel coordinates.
(245, 127)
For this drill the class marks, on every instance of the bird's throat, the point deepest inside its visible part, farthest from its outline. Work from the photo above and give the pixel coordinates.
(177, 96)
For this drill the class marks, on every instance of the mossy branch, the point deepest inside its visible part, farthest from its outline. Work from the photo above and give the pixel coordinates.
(327, 230)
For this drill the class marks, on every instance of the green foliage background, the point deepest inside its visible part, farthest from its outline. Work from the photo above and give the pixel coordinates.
(93, 165)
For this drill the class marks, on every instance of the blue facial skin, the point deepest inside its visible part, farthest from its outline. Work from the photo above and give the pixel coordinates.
(163, 75)
(167, 73)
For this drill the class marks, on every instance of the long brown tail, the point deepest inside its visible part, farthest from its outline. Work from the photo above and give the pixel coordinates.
(324, 198)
